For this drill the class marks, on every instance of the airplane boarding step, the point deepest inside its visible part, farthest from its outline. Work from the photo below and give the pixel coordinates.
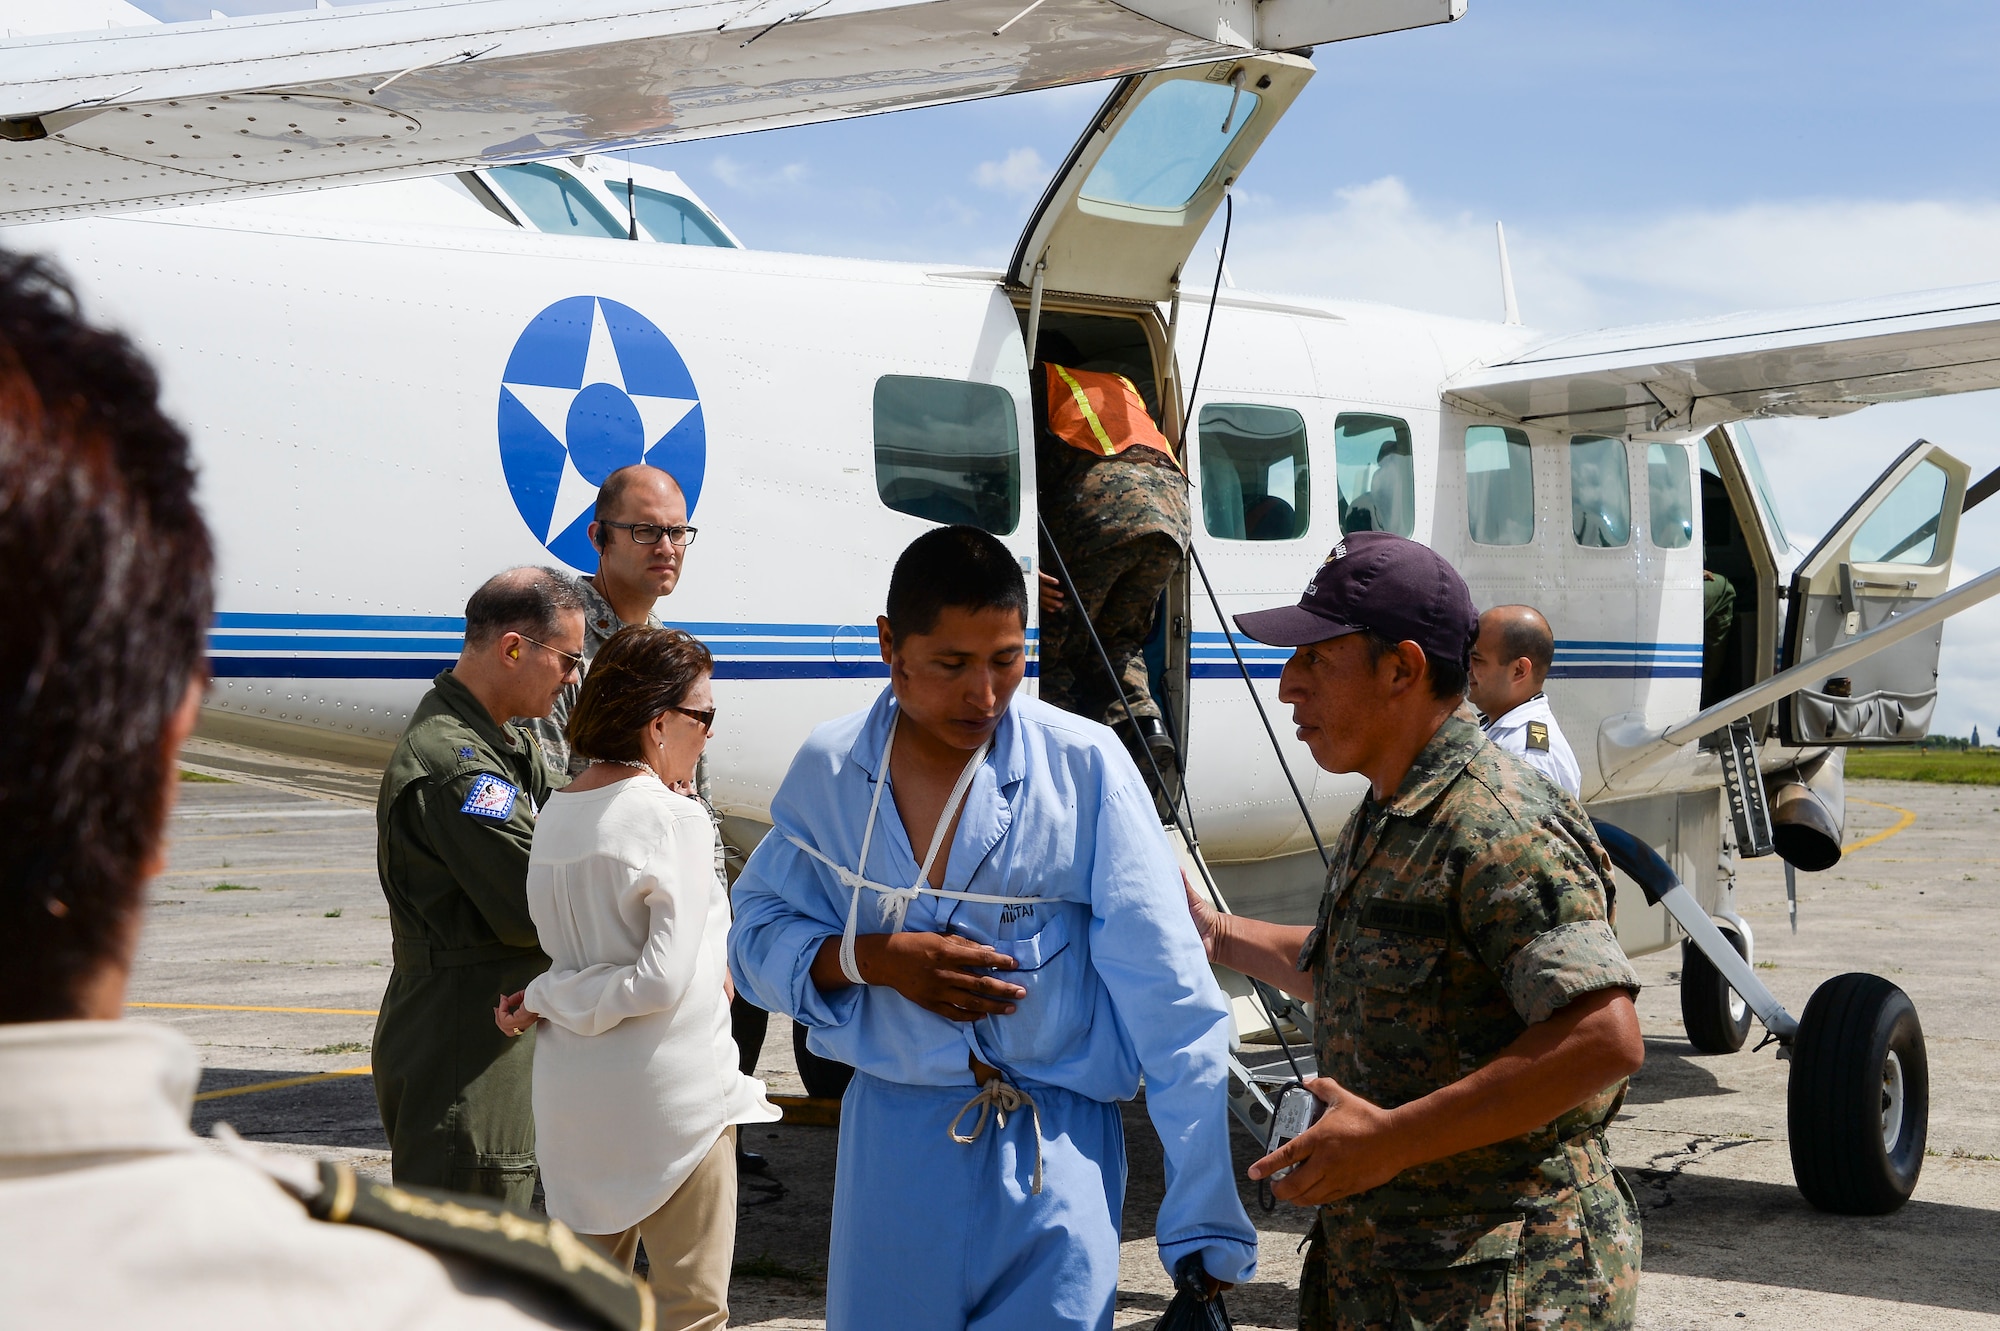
(1744, 787)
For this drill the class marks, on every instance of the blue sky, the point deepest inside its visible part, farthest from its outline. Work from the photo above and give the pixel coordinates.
(1649, 161)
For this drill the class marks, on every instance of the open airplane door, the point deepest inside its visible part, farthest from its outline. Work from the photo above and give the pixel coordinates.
(1889, 555)
(1136, 191)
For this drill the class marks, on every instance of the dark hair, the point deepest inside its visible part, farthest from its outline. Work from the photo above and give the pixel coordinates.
(1528, 635)
(614, 488)
(962, 567)
(526, 600)
(105, 588)
(1447, 678)
(635, 676)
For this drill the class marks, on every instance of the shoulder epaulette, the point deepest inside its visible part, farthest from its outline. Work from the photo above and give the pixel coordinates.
(531, 1247)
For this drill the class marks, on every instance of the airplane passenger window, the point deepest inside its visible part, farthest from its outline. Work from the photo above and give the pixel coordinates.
(556, 204)
(1672, 493)
(1600, 492)
(1499, 485)
(672, 220)
(1168, 146)
(948, 451)
(1256, 475)
(1377, 473)
(1904, 529)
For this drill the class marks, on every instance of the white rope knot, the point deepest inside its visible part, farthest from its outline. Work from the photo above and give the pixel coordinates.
(999, 1099)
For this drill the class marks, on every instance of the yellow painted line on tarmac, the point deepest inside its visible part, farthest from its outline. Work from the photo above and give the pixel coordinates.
(1902, 825)
(284, 1083)
(233, 1007)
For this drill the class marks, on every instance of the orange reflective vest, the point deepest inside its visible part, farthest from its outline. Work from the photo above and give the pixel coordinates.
(1100, 412)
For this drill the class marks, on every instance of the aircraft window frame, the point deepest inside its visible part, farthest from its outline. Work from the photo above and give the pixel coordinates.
(1603, 446)
(912, 416)
(547, 214)
(1232, 453)
(1367, 474)
(1486, 523)
(1670, 460)
(1905, 516)
(690, 215)
(1159, 151)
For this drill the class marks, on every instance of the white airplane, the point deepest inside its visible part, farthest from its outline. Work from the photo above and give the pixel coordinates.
(397, 389)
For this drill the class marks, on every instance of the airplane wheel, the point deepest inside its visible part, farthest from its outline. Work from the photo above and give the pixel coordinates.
(825, 1078)
(1859, 1100)
(1715, 1016)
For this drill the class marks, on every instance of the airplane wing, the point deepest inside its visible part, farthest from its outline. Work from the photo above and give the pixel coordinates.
(142, 117)
(1822, 360)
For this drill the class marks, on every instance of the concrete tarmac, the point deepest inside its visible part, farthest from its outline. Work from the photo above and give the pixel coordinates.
(267, 943)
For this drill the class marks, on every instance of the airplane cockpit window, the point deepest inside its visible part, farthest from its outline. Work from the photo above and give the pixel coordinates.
(1672, 495)
(1256, 475)
(1904, 528)
(1499, 485)
(1600, 492)
(1166, 150)
(1376, 469)
(672, 220)
(556, 204)
(948, 450)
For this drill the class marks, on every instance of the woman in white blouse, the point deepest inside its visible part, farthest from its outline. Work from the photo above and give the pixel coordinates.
(636, 1089)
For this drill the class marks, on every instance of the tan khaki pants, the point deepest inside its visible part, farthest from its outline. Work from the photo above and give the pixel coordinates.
(691, 1243)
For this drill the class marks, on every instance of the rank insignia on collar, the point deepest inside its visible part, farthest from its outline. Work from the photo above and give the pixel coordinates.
(465, 751)
(490, 798)
(1538, 736)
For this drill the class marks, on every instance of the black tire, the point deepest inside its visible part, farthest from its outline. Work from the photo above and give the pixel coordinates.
(1858, 1106)
(1717, 1020)
(825, 1078)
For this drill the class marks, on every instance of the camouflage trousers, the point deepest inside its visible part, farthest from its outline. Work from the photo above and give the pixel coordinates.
(1570, 1262)
(1120, 588)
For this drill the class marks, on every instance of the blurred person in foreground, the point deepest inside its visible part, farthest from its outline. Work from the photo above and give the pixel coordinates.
(112, 1213)
(637, 1091)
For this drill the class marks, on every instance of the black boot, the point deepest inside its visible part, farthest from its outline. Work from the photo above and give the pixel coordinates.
(1151, 732)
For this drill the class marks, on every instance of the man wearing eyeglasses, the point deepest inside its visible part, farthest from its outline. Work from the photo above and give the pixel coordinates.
(453, 825)
(641, 534)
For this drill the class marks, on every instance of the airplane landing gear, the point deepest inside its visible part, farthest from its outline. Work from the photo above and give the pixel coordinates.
(1715, 1016)
(1859, 1100)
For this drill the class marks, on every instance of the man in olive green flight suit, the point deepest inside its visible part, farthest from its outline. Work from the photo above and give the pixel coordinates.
(1473, 1018)
(453, 825)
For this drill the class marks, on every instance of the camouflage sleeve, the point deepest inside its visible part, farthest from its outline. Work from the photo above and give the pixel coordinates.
(548, 732)
(1533, 903)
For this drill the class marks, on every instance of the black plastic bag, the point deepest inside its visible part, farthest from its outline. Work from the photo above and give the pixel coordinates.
(1194, 1308)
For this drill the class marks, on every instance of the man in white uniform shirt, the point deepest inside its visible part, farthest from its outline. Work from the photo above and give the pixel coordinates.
(1510, 660)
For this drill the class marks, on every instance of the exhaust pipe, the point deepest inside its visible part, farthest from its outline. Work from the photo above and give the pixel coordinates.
(1808, 816)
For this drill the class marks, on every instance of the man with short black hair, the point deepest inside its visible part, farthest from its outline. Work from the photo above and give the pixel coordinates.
(1510, 662)
(1472, 1010)
(454, 822)
(999, 993)
(112, 1213)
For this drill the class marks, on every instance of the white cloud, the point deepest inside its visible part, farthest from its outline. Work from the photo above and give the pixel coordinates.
(743, 176)
(1021, 171)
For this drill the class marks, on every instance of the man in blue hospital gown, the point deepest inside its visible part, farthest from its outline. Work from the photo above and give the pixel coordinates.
(968, 896)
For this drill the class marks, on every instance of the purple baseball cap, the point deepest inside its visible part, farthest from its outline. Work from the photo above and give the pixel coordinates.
(1376, 580)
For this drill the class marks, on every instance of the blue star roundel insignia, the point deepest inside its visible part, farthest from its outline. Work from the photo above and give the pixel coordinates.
(593, 386)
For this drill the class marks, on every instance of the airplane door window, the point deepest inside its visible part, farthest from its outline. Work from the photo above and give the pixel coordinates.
(1672, 495)
(1376, 471)
(1600, 492)
(1165, 152)
(556, 204)
(1256, 474)
(948, 450)
(1904, 530)
(1499, 485)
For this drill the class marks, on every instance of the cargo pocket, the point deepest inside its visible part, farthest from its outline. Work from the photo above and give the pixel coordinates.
(1050, 966)
(1392, 991)
(1454, 1271)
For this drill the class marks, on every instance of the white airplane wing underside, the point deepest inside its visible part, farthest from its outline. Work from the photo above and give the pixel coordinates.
(1684, 377)
(127, 118)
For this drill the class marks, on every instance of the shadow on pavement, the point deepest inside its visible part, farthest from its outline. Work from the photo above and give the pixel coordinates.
(338, 1112)
(1673, 1071)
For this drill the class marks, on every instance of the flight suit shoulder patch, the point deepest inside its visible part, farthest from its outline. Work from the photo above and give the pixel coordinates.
(1538, 736)
(490, 797)
(530, 1248)
(1422, 919)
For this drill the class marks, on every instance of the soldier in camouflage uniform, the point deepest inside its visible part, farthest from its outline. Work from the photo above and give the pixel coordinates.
(1472, 1007)
(1120, 522)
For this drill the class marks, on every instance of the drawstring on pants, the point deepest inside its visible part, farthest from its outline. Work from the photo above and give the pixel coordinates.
(999, 1099)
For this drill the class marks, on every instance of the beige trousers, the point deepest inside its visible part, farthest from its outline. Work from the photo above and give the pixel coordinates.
(690, 1242)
